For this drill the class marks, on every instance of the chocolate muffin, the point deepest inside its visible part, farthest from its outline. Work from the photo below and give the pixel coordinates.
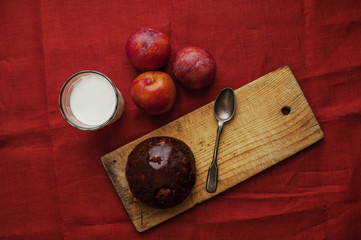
(161, 172)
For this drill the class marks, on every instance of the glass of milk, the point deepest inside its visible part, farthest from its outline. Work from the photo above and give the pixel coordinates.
(89, 100)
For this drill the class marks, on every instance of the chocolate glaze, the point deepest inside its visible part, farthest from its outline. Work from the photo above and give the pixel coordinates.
(161, 171)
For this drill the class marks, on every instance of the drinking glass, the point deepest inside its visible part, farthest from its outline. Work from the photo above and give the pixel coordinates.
(89, 100)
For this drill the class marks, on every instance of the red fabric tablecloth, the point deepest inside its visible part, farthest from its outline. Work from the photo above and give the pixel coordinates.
(53, 185)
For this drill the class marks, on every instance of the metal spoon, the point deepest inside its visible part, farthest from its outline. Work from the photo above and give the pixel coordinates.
(224, 108)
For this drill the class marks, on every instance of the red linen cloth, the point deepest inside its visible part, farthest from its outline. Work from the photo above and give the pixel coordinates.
(53, 185)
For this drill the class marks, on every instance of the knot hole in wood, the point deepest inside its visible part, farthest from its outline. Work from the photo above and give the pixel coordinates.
(286, 110)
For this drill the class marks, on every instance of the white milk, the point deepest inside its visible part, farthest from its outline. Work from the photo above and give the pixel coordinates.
(93, 100)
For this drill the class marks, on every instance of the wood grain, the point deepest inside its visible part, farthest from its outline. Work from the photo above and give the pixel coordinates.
(258, 136)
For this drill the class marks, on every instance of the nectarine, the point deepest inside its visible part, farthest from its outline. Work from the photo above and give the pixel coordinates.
(153, 92)
(194, 67)
(148, 49)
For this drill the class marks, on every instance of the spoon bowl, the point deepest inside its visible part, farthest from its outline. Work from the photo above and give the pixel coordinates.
(224, 106)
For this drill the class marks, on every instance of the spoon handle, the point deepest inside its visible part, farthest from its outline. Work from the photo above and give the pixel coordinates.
(212, 178)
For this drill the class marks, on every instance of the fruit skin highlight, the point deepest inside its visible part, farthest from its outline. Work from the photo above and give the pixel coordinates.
(148, 49)
(153, 92)
(194, 67)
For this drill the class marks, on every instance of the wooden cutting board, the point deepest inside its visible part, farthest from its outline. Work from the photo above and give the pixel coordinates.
(259, 136)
